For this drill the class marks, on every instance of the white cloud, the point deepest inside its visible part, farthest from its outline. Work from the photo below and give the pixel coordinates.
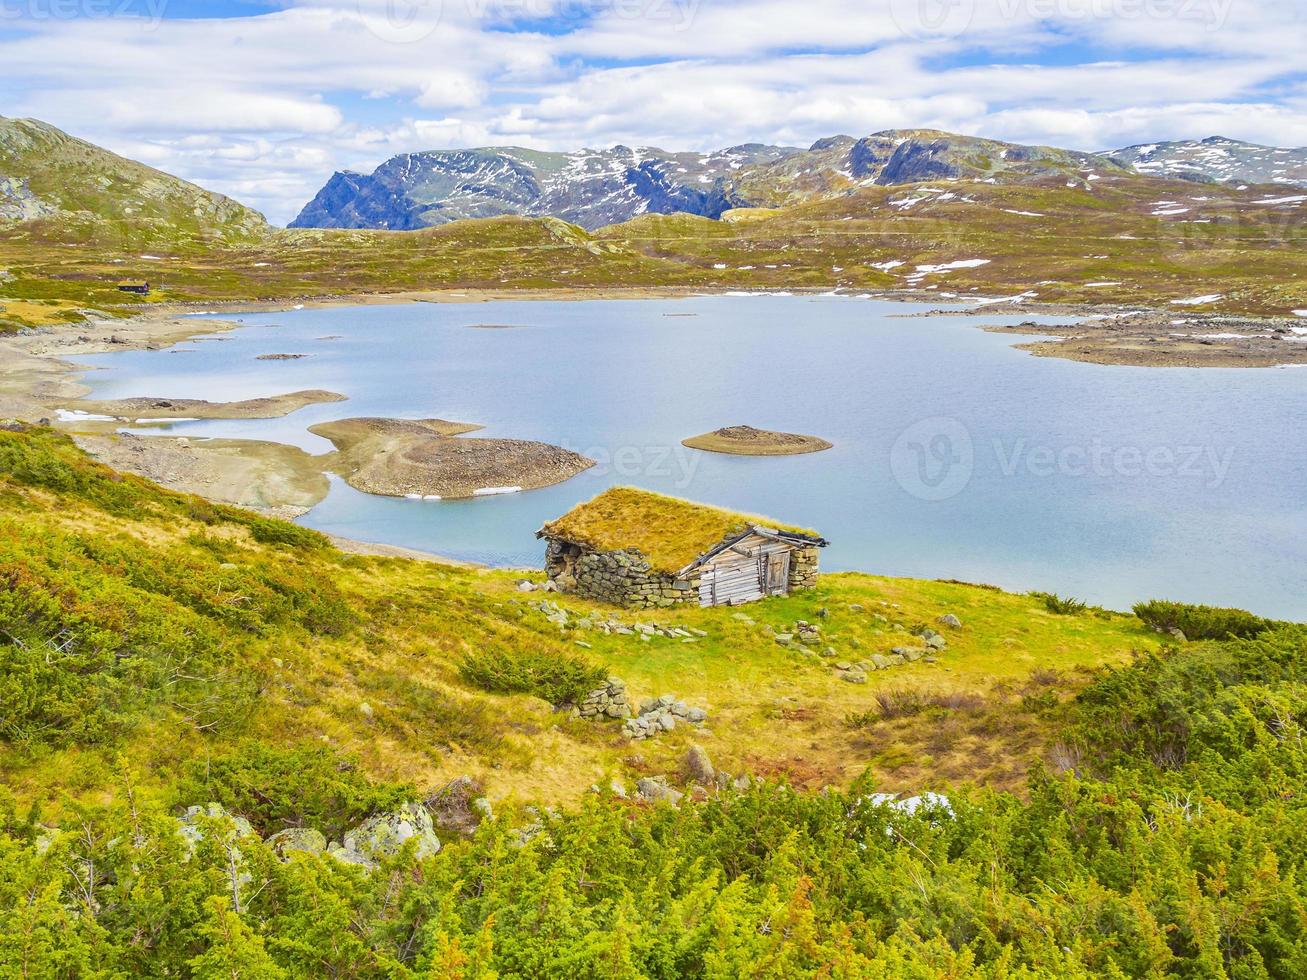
(264, 107)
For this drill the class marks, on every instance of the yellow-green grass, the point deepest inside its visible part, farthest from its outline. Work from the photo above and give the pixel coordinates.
(773, 709)
(668, 531)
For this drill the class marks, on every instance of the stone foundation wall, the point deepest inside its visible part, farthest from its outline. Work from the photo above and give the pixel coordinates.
(803, 568)
(623, 578)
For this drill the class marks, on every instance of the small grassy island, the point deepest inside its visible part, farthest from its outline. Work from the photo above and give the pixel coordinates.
(745, 440)
(402, 457)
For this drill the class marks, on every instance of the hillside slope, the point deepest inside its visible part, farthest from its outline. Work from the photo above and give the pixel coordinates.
(57, 184)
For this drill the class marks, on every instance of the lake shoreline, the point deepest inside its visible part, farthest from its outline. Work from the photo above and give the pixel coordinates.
(35, 377)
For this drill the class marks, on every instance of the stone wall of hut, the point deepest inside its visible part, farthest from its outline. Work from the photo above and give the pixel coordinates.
(623, 578)
(803, 568)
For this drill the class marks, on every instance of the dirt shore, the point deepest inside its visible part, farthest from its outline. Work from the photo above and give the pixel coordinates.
(1178, 337)
(745, 440)
(266, 476)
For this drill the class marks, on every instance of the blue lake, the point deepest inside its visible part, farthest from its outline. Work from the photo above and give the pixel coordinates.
(956, 456)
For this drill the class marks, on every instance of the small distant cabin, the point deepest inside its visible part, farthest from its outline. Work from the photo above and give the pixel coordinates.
(641, 549)
(139, 288)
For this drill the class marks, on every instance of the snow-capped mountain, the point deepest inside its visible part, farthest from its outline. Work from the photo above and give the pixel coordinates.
(593, 188)
(590, 188)
(1218, 159)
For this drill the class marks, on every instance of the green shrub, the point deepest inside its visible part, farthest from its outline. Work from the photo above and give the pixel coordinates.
(276, 787)
(1200, 622)
(1060, 605)
(559, 678)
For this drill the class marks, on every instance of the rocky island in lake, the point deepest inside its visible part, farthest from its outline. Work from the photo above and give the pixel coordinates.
(421, 458)
(745, 440)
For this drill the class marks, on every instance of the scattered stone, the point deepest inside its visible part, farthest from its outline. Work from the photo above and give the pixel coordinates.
(1178, 634)
(190, 829)
(526, 586)
(660, 715)
(949, 620)
(854, 676)
(937, 642)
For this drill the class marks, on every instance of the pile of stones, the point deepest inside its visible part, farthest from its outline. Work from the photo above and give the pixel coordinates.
(658, 715)
(608, 701)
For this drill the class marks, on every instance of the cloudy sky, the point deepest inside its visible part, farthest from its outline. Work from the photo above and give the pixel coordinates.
(264, 99)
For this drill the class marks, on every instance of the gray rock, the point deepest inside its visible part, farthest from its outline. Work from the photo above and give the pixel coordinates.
(384, 834)
(667, 721)
(949, 620)
(297, 840)
(698, 766)
(651, 788)
(937, 642)
(696, 716)
(854, 676)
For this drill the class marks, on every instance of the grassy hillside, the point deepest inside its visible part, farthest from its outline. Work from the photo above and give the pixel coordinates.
(286, 638)
(1114, 808)
(68, 188)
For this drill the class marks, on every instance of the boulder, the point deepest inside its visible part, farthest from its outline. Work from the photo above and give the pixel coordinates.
(698, 767)
(297, 840)
(949, 620)
(854, 676)
(655, 788)
(384, 834)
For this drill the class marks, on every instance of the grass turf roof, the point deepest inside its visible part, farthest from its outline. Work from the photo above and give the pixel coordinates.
(668, 531)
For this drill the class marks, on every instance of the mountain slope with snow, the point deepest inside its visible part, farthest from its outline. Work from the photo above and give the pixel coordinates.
(1217, 159)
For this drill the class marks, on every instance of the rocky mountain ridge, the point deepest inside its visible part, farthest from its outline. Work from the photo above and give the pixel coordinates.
(593, 188)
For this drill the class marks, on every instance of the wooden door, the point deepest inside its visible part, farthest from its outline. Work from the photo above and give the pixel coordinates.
(776, 577)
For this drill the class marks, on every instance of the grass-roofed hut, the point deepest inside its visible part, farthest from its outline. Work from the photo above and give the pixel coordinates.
(636, 548)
